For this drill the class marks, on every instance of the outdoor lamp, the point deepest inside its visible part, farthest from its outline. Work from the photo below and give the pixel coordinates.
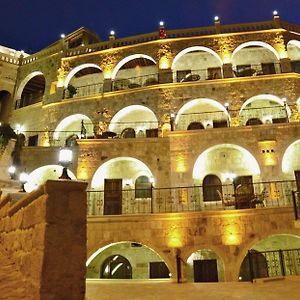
(65, 158)
(23, 179)
(12, 172)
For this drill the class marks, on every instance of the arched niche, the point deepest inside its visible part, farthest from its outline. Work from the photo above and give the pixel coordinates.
(203, 110)
(31, 89)
(137, 117)
(135, 71)
(266, 108)
(40, 175)
(291, 160)
(77, 124)
(200, 61)
(145, 262)
(255, 58)
(84, 80)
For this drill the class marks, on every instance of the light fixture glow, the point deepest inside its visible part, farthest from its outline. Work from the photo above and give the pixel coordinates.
(216, 18)
(112, 32)
(12, 170)
(62, 35)
(161, 23)
(275, 12)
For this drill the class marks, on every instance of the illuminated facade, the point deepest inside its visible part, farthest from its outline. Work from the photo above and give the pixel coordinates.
(193, 132)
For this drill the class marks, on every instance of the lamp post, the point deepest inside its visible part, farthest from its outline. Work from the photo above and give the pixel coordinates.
(23, 179)
(65, 158)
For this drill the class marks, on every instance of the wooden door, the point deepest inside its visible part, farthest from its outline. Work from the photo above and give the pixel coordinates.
(112, 196)
(244, 191)
(158, 269)
(205, 270)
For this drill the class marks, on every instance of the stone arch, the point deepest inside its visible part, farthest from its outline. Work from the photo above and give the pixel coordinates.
(196, 63)
(129, 250)
(40, 175)
(293, 50)
(77, 69)
(269, 242)
(265, 107)
(208, 254)
(73, 125)
(138, 117)
(204, 110)
(291, 159)
(125, 60)
(195, 48)
(207, 163)
(127, 168)
(257, 44)
(25, 81)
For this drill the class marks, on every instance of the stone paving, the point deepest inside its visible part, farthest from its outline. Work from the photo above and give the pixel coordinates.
(284, 288)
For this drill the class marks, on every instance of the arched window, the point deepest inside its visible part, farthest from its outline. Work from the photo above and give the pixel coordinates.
(143, 187)
(195, 125)
(128, 133)
(212, 188)
(116, 267)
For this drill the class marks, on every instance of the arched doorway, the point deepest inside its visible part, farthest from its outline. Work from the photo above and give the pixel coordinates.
(212, 188)
(116, 267)
(205, 266)
(126, 260)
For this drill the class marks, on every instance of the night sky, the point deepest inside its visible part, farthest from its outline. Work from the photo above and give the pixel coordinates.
(31, 25)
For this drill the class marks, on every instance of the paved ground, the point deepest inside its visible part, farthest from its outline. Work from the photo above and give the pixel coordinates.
(284, 289)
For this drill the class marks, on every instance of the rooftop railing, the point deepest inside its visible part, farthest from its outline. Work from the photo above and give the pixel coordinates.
(191, 198)
(9, 59)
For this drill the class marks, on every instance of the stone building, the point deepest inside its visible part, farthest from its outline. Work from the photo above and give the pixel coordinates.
(189, 140)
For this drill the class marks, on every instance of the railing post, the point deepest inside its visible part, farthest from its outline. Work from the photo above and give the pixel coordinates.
(281, 260)
(295, 205)
(151, 198)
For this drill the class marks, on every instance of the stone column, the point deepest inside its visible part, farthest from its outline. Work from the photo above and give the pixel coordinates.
(107, 85)
(227, 71)
(165, 76)
(285, 65)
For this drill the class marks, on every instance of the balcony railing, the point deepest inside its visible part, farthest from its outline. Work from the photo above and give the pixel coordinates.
(197, 74)
(135, 82)
(85, 90)
(192, 198)
(256, 69)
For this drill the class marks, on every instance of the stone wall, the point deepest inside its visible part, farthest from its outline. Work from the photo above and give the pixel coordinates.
(43, 242)
(230, 234)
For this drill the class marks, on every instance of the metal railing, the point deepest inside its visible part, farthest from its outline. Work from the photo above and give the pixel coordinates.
(257, 69)
(85, 90)
(135, 82)
(197, 74)
(194, 198)
(273, 263)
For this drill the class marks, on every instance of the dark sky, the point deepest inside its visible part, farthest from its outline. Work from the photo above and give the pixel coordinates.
(31, 25)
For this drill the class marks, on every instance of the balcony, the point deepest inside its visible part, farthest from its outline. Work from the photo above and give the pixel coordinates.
(191, 199)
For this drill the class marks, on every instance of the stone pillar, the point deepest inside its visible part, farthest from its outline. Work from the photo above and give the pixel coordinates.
(165, 76)
(63, 269)
(227, 71)
(107, 85)
(285, 65)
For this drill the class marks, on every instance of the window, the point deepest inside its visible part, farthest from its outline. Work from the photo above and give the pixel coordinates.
(143, 188)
